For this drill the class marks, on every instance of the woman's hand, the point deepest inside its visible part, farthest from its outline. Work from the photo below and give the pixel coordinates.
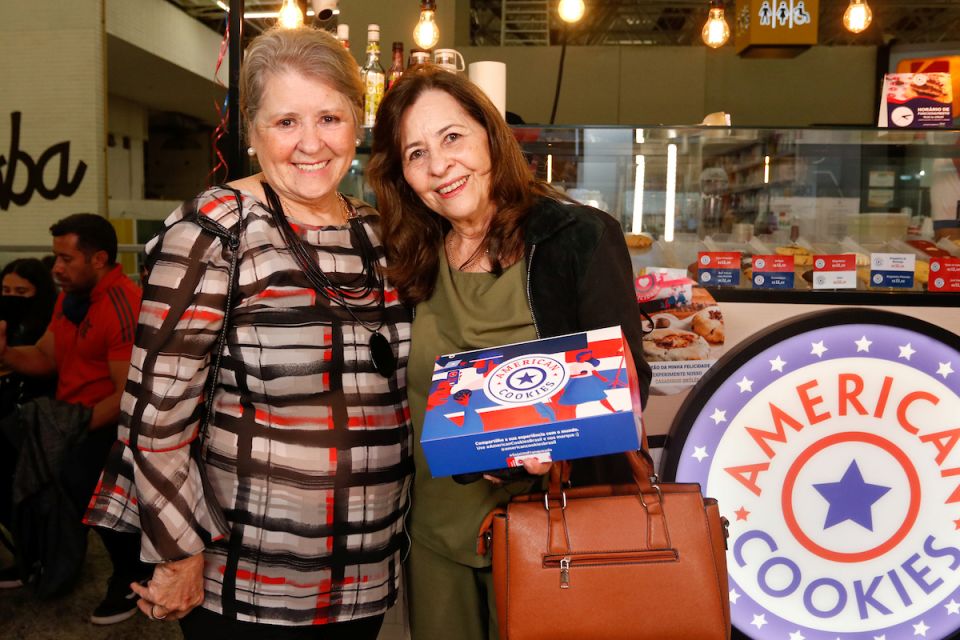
(531, 465)
(173, 591)
(536, 468)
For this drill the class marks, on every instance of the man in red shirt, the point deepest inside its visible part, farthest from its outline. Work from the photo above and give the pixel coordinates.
(87, 345)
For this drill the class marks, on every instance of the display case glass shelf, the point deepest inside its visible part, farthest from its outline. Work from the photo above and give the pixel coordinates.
(765, 191)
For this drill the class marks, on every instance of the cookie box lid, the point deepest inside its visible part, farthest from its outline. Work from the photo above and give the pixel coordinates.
(558, 398)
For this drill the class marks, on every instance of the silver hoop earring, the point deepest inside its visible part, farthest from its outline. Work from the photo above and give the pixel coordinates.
(251, 151)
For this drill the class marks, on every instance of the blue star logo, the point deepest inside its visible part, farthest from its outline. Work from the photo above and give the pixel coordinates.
(851, 498)
(526, 378)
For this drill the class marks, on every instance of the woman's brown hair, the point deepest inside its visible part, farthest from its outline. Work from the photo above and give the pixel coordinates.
(412, 233)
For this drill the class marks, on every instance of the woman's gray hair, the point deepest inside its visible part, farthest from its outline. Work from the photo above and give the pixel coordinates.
(312, 52)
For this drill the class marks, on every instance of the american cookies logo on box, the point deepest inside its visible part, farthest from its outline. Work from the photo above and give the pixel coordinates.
(834, 454)
(526, 379)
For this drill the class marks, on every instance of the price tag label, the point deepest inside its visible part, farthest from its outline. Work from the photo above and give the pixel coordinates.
(944, 274)
(835, 271)
(718, 268)
(773, 272)
(894, 270)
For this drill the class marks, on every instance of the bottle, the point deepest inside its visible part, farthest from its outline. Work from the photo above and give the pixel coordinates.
(343, 35)
(418, 56)
(396, 69)
(373, 77)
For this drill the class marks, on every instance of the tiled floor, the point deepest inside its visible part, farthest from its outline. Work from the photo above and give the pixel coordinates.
(23, 617)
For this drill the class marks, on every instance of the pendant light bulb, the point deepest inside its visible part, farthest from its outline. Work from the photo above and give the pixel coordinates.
(716, 31)
(571, 10)
(290, 16)
(426, 34)
(858, 16)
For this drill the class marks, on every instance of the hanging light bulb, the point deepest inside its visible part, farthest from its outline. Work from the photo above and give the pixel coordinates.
(290, 16)
(716, 31)
(858, 16)
(570, 10)
(426, 34)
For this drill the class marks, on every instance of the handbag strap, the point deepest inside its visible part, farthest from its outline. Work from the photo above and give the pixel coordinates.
(651, 498)
(232, 237)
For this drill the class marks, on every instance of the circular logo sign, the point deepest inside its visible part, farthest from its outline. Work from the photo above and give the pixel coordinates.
(759, 263)
(834, 453)
(525, 379)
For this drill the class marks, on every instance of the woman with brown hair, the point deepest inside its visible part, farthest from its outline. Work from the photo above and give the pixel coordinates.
(489, 256)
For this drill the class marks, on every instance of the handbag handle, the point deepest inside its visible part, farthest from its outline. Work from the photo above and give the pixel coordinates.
(641, 464)
(649, 494)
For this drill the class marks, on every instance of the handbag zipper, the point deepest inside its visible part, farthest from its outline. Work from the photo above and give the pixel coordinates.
(566, 562)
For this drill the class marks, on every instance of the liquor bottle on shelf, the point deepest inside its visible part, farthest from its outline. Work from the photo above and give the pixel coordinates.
(396, 68)
(373, 77)
(343, 35)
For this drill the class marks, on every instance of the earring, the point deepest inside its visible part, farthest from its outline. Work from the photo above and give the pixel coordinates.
(357, 142)
(251, 151)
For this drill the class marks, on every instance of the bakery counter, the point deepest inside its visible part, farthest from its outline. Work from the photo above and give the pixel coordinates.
(746, 312)
(861, 297)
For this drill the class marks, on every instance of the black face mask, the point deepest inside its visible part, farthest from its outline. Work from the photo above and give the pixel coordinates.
(75, 307)
(13, 309)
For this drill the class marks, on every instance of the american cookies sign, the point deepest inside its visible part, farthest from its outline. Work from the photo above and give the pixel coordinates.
(831, 443)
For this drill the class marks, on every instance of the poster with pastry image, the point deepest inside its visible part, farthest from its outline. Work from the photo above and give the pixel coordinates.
(685, 329)
(916, 100)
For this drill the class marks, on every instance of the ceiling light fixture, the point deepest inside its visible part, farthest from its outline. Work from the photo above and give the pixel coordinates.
(571, 10)
(858, 16)
(290, 16)
(426, 34)
(716, 31)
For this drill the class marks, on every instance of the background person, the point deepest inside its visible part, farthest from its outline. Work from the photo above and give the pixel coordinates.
(87, 345)
(309, 448)
(489, 256)
(26, 306)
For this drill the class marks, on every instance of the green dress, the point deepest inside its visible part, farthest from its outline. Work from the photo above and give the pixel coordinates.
(467, 311)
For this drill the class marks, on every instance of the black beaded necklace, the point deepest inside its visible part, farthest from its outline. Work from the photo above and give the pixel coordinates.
(355, 295)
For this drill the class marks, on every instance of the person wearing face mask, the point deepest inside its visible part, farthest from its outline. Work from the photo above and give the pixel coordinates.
(289, 521)
(489, 256)
(87, 347)
(26, 305)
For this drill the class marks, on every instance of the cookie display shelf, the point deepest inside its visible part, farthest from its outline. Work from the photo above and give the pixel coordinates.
(808, 191)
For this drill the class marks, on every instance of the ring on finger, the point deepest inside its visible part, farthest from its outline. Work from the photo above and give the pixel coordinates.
(153, 613)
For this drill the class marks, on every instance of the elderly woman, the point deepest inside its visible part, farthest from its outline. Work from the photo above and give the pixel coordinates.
(489, 256)
(290, 525)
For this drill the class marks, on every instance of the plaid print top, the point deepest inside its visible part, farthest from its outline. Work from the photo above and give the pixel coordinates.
(308, 461)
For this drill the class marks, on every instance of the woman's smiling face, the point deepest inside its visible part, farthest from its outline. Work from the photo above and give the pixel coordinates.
(304, 136)
(446, 158)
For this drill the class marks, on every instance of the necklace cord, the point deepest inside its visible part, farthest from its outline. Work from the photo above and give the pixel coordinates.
(347, 296)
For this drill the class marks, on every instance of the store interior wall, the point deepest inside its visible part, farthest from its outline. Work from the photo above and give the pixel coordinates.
(52, 114)
(94, 71)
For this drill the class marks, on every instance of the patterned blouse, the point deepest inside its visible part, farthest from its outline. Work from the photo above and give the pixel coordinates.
(308, 456)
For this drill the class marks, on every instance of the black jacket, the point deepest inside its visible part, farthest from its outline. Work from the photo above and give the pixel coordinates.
(47, 530)
(579, 277)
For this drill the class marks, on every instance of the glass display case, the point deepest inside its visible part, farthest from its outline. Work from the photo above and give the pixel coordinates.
(767, 191)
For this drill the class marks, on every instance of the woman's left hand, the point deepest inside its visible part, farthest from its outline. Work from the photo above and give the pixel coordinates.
(536, 468)
(531, 465)
(173, 591)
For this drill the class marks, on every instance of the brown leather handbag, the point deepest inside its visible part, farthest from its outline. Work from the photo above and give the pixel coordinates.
(639, 561)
